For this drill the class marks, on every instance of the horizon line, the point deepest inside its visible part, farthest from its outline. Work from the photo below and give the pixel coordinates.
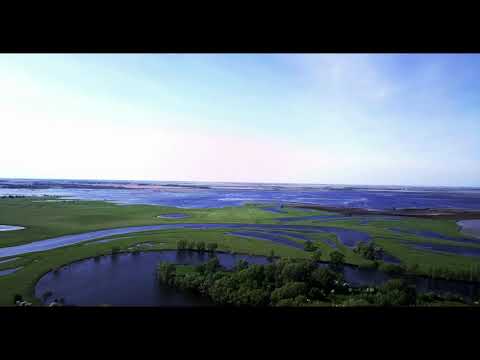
(245, 182)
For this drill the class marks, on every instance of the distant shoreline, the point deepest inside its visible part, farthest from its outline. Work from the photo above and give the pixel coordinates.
(452, 214)
(115, 184)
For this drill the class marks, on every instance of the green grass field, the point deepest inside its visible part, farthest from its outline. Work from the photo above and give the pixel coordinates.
(44, 219)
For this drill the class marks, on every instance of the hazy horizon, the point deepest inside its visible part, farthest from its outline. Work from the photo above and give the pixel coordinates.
(313, 119)
(241, 182)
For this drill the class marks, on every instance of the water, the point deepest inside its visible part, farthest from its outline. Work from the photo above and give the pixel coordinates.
(130, 280)
(470, 227)
(173, 216)
(276, 210)
(8, 260)
(349, 238)
(363, 220)
(127, 280)
(442, 248)
(435, 235)
(10, 228)
(200, 195)
(9, 271)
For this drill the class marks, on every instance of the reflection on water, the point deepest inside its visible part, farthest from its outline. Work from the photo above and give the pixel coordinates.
(130, 280)
(127, 280)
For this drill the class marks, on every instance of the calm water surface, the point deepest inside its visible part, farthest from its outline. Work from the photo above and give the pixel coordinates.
(127, 280)
(130, 280)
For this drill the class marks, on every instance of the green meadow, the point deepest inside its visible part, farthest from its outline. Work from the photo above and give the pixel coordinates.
(44, 219)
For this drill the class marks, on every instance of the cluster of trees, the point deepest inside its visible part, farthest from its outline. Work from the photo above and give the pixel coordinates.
(392, 269)
(430, 297)
(336, 259)
(471, 274)
(395, 292)
(433, 272)
(369, 251)
(309, 246)
(196, 245)
(285, 282)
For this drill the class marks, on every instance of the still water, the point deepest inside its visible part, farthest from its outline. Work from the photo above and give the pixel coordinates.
(130, 280)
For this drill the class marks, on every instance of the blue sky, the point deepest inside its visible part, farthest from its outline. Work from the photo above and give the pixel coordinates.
(406, 119)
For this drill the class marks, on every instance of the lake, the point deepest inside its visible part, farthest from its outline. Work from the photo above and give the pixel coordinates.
(214, 195)
(130, 280)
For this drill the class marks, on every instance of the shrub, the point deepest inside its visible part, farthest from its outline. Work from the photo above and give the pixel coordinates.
(191, 245)
(355, 302)
(369, 265)
(324, 278)
(391, 268)
(369, 251)
(309, 246)
(295, 271)
(317, 255)
(427, 297)
(413, 268)
(288, 291)
(212, 265)
(166, 272)
(337, 258)
(241, 265)
(212, 246)
(396, 292)
(17, 297)
(271, 256)
(201, 246)
(181, 244)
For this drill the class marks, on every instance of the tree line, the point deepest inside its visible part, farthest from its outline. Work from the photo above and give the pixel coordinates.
(285, 282)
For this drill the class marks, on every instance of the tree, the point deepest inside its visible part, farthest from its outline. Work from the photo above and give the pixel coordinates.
(241, 265)
(391, 268)
(395, 292)
(288, 291)
(368, 251)
(295, 271)
(181, 244)
(166, 272)
(212, 265)
(212, 247)
(271, 256)
(309, 246)
(324, 278)
(201, 246)
(337, 258)
(191, 245)
(317, 255)
(17, 297)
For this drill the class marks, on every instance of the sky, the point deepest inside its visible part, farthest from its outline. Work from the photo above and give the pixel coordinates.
(377, 119)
